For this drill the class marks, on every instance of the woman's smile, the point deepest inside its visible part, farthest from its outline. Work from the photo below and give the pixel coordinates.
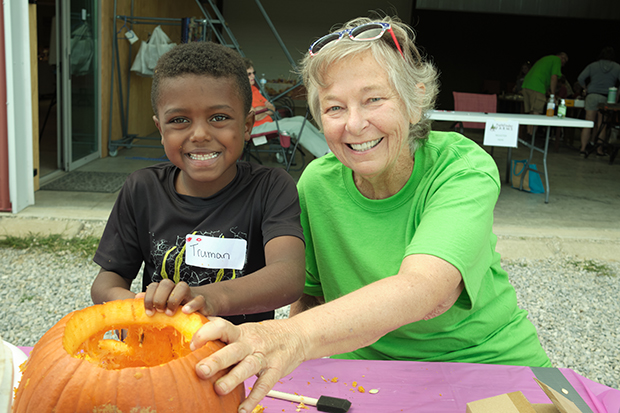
(363, 147)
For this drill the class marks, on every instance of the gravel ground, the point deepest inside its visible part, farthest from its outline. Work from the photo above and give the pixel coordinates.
(574, 304)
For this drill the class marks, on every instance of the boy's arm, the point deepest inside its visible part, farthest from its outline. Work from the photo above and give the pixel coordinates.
(109, 286)
(306, 302)
(279, 283)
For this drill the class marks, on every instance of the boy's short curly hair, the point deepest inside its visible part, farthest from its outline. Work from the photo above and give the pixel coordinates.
(248, 63)
(202, 58)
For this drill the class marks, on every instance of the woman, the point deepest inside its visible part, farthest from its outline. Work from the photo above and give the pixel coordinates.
(398, 224)
(262, 107)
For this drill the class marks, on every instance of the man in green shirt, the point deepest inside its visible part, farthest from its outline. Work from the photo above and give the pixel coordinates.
(542, 78)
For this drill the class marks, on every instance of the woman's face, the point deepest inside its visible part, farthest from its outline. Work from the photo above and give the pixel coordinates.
(364, 119)
(251, 75)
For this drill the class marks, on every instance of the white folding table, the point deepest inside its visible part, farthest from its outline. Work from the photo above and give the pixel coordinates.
(523, 119)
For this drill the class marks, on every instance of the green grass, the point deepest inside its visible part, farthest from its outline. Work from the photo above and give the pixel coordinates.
(84, 247)
(593, 266)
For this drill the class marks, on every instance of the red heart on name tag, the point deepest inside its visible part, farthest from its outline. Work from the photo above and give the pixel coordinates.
(198, 239)
(189, 239)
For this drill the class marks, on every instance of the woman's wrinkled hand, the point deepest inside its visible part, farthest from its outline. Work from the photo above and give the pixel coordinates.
(270, 350)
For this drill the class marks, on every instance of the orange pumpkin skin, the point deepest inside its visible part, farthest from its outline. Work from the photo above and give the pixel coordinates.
(60, 377)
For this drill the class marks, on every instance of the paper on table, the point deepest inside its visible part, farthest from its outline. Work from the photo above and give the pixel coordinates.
(501, 132)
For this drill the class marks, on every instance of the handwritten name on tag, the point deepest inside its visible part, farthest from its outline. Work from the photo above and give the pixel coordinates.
(212, 252)
(501, 132)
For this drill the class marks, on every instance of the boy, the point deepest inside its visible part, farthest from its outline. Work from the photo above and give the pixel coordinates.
(201, 98)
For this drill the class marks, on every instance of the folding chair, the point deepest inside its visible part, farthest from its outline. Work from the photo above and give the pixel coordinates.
(275, 141)
(474, 102)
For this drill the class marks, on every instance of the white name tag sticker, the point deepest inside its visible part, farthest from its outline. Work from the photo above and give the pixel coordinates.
(501, 132)
(211, 252)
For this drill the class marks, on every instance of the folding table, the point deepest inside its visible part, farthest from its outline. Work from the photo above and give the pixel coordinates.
(611, 119)
(523, 119)
(429, 387)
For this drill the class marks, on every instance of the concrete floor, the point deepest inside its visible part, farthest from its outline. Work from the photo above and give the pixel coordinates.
(584, 203)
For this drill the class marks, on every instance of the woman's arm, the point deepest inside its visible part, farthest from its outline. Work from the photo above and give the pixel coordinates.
(425, 286)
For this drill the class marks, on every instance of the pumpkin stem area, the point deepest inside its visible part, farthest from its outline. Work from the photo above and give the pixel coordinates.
(148, 342)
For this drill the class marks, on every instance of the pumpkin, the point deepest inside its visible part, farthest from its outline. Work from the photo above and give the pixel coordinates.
(74, 369)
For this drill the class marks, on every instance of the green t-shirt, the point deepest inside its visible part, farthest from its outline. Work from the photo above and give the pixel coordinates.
(539, 76)
(446, 210)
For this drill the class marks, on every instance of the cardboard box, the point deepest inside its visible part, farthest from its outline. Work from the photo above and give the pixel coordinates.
(516, 402)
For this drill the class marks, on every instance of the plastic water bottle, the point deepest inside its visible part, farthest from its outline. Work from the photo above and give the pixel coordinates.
(551, 106)
(562, 109)
(611, 96)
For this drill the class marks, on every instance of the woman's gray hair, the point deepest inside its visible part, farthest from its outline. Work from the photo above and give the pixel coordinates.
(404, 74)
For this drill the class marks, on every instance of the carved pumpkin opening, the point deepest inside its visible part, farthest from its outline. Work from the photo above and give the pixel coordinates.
(149, 341)
(142, 347)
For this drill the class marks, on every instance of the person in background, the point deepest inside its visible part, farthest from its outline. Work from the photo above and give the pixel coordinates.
(201, 99)
(400, 253)
(525, 67)
(540, 82)
(261, 106)
(596, 79)
(311, 138)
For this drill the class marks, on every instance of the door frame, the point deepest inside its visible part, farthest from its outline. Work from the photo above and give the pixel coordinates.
(64, 85)
(19, 104)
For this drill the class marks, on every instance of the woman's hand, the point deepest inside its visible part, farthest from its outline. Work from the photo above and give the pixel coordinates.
(270, 349)
(166, 296)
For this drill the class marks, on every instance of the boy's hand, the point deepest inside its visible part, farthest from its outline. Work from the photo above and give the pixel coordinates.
(166, 296)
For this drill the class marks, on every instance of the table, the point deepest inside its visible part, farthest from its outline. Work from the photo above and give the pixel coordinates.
(409, 386)
(611, 119)
(405, 386)
(523, 119)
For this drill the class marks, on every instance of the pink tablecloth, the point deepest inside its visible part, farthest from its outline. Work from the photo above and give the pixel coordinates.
(405, 386)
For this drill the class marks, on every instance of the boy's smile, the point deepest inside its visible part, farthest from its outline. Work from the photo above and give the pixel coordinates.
(203, 127)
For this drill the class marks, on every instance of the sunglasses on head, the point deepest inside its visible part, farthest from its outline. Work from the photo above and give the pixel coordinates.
(363, 33)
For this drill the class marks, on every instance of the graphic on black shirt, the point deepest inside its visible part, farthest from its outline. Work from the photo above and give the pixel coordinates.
(170, 261)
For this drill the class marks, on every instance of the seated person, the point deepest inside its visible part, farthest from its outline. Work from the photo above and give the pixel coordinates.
(260, 104)
(311, 139)
(202, 104)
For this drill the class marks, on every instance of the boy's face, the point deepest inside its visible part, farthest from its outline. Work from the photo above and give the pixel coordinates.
(203, 129)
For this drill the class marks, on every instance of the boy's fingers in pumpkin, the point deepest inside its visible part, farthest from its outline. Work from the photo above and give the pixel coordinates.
(160, 294)
(180, 294)
(197, 303)
(148, 298)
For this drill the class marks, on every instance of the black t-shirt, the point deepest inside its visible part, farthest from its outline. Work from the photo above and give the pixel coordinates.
(150, 220)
